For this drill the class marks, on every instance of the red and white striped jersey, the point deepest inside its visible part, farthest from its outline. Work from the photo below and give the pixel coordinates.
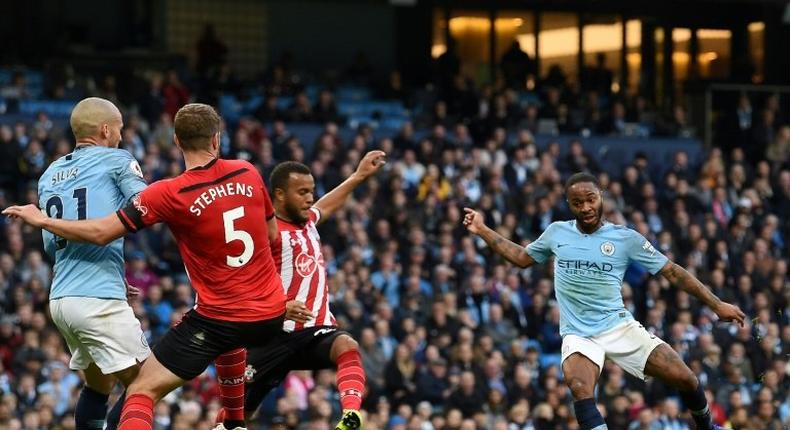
(297, 255)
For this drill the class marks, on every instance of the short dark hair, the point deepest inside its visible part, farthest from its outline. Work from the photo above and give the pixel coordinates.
(580, 177)
(282, 171)
(194, 125)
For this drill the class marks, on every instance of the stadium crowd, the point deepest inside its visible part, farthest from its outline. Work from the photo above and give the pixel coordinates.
(451, 336)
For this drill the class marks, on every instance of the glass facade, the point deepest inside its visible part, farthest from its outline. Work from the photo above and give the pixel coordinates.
(572, 42)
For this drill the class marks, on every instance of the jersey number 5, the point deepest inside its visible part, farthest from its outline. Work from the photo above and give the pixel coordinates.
(232, 234)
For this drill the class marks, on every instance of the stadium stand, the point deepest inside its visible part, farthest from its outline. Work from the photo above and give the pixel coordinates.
(448, 332)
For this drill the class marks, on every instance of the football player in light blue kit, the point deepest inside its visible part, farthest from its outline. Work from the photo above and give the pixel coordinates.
(590, 258)
(88, 298)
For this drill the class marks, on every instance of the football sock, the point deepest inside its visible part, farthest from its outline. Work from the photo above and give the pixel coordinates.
(588, 416)
(138, 413)
(230, 372)
(696, 402)
(350, 379)
(91, 409)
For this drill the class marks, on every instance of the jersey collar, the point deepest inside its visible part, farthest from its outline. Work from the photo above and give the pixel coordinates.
(205, 166)
(604, 224)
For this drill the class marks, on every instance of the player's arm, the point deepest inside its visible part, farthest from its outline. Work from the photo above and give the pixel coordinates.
(684, 280)
(335, 199)
(511, 251)
(99, 231)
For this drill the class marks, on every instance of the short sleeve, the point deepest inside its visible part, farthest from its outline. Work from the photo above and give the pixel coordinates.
(643, 252)
(128, 175)
(315, 214)
(147, 208)
(540, 249)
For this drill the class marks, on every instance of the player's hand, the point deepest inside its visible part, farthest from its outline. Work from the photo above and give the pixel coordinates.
(728, 312)
(30, 214)
(297, 311)
(371, 163)
(131, 291)
(473, 221)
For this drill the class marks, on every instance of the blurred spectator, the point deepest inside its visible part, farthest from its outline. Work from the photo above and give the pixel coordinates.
(516, 65)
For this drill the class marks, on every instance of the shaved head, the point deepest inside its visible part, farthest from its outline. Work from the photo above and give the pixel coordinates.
(90, 115)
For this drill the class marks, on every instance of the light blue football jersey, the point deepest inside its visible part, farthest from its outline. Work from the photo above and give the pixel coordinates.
(91, 182)
(588, 272)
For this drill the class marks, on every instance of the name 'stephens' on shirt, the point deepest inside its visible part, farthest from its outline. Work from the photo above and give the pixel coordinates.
(212, 194)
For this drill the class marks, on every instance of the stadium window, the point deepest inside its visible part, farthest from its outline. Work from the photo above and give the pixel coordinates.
(439, 45)
(714, 53)
(559, 43)
(681, 60)
(633, 40)
(757, 51)
(658, 37)
(516, 26)
(604, 35)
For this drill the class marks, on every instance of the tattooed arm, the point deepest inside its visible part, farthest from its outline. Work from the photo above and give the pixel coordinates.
(512, 252)
(682, 279)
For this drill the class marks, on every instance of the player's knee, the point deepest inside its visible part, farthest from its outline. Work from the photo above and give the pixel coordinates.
(344, 344)
(580, 389)
(685, 380)
(349, 344)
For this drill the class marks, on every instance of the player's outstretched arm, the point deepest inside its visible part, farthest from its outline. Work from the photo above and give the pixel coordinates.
(100, 231)
(335, 199)
(684, 280)
(512, 252)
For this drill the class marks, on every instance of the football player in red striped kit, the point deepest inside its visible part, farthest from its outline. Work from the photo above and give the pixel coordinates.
(311, 340)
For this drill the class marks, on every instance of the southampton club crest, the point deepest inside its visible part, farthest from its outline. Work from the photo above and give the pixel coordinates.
(249, 373)
(607, 249)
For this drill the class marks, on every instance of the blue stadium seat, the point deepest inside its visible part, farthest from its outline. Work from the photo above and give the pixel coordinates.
(351, 93)
(53, 108)
(229, 108)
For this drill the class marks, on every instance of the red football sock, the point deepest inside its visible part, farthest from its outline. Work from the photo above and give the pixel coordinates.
(350, 379)
(137, 413)
(230, 372)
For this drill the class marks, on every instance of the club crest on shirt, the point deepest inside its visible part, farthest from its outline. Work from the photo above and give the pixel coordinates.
(305, 264)
(134, 166)
(249, 373)
(607, 248)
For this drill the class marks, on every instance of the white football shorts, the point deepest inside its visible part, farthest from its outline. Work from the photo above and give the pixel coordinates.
(101, 331)
(628, 345)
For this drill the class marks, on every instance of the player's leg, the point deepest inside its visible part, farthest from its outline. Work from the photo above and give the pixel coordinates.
(330, 348)
(126, 376)
(582, 361)
(107, 343)
(642, 353)
(665, 364)
(112, 334)
(183, 353)
(91, 408)
(154, 381)
(92, 403)
(230, 374)
(350, 380)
